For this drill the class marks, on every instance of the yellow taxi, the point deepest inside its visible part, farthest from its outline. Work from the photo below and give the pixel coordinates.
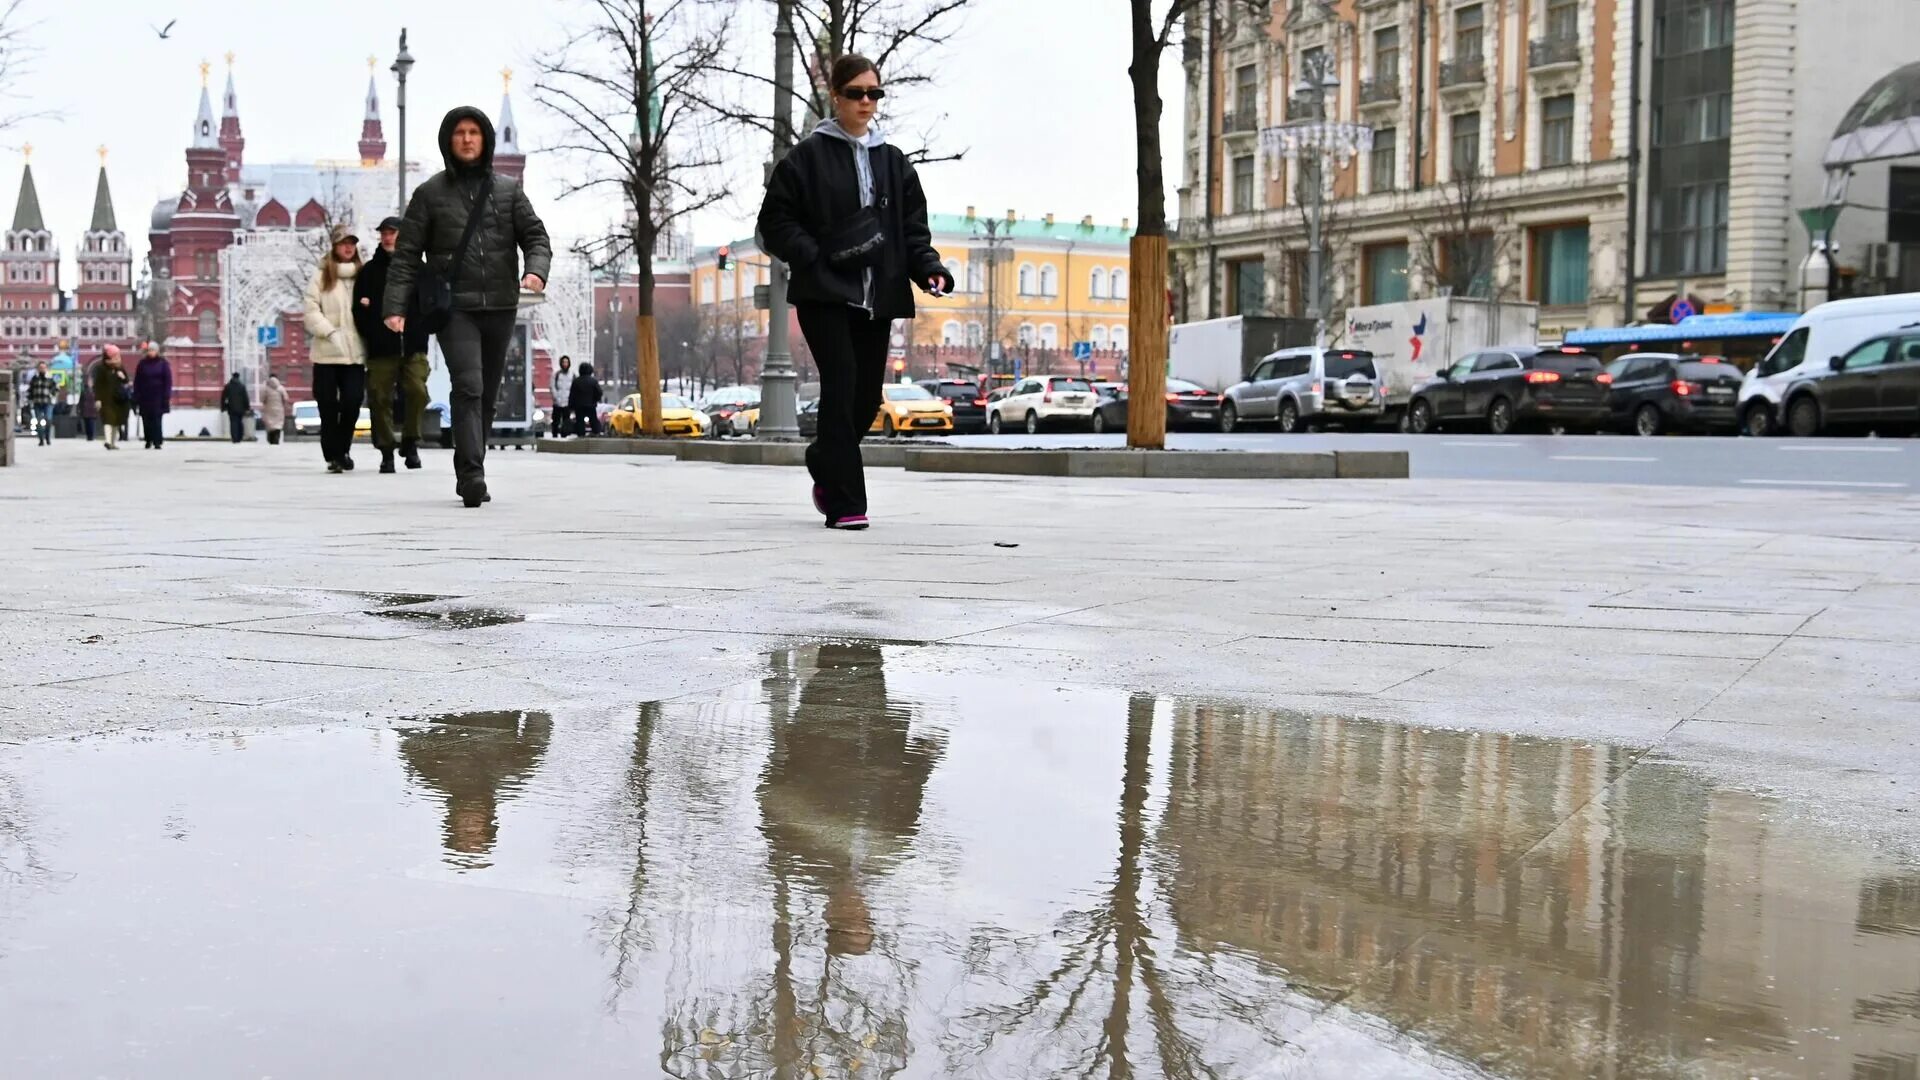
(677, 417)
(906, 409)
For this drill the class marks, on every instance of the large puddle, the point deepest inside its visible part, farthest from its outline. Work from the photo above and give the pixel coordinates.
(837, 872)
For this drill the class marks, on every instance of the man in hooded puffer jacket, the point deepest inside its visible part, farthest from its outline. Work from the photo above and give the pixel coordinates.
(486, 287)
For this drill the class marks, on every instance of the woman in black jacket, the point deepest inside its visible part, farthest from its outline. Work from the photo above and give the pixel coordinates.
(845, 212)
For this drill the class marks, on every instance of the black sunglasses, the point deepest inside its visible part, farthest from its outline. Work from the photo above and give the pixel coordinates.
(855, 93)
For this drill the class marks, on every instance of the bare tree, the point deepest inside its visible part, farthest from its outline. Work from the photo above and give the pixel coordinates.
(1460, 248)
(1336, 242)
(17, 56)
(631, 84)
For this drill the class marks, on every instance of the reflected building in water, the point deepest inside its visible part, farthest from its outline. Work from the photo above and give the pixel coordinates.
(473, 762)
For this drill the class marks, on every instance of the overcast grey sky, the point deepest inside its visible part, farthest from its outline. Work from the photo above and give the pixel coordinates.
(1035, 91)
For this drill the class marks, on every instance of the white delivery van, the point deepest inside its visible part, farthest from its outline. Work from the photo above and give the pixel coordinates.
(1817, 337)
(1218, 353)
(1414, 340)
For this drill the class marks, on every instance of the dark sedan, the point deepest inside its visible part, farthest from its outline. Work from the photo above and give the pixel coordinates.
(1651, 393)
(969, 404)
(809, 418)
(1189, 405)
(1504, 388)
(1875, 387)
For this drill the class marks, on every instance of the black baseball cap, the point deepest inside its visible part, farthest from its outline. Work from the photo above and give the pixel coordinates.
(390, 223)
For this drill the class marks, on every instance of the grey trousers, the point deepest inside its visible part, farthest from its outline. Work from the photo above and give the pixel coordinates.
(475, 344)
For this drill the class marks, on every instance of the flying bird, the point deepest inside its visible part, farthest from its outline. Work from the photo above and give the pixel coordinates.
(165, 32)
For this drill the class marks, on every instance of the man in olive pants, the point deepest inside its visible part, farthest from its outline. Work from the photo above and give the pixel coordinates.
(395, 362)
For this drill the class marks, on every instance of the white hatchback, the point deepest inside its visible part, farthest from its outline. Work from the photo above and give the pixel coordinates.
(1042, 401)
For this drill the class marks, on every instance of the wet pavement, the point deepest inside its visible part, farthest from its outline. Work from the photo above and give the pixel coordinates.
(871, 860)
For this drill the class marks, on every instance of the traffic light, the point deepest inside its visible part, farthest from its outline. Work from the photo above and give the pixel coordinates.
(899, 367)
(725, 258)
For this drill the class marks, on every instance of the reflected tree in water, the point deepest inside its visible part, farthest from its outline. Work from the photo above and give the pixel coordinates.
(625, 928)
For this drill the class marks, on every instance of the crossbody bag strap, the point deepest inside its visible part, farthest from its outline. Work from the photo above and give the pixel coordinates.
(473, 223)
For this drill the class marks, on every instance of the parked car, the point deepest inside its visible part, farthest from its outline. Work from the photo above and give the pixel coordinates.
(1189, 405)
(1042, 401)
(678, 417)
(809, 418)
(1807, 350)
(1503, 388)
(306, 418)
(1650, 393)
(722, 405)
(1874, 387)
(964, 397)
(909, 409)
(1308, 387)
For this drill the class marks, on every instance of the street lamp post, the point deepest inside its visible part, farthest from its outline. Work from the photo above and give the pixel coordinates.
(779, 409)
(613, 311)
(402, 64)
(1312, 140)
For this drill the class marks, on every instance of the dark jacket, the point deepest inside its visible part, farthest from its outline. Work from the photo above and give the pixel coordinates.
(817, 187)
(108, 383)
(369, 299)
(437, 215)
(41, 389)
(153, 384)
(233, 399)
(584, 398)
(89, 407)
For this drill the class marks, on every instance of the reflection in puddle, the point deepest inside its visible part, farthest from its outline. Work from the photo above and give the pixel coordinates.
(393, 599)
(453, 618)
(851, 869)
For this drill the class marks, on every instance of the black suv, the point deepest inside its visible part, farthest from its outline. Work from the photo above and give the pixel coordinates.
(1506, 387)
(1655, 392)
(969, 404)
(1874, 387)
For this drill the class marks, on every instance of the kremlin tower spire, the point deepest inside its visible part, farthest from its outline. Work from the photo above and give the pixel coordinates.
(373, 141)
(231, 140)
(507, 158)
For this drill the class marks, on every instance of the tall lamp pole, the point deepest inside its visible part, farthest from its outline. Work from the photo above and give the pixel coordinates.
(1312, 140)
(779, 409)
(613, 311)
(402, 64)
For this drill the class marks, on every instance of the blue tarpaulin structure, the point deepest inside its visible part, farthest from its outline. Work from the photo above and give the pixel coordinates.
(1745, 324)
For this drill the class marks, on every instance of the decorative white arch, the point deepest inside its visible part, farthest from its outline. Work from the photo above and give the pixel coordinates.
(262, 276)
(562, 324)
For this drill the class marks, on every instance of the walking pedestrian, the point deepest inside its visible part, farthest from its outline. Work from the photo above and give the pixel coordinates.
(562, 396)
(273, 409)
(845, 210)
(238, 407)
(113, 390)
(396, 362)
(89, 405)
(153, 393)
(471, 225)
(339, 356)
(583, 402)
(41, 390)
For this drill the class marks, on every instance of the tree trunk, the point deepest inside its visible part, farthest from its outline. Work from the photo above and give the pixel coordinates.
(1147, 300)
(646, 340)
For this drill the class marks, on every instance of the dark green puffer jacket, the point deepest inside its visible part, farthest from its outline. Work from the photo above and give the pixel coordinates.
(437, 215)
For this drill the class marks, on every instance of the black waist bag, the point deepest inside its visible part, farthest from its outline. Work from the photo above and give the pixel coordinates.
(858, 242)
(433, 290)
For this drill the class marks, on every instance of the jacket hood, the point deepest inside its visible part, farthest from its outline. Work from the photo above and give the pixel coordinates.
(832, 130)
(447, 124)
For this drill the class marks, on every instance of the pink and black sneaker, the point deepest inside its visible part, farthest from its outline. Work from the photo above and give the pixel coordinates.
(851, 523)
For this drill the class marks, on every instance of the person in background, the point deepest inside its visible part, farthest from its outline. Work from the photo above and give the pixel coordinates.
(238, 407)
(395, 361)
(562, 396)
(89, 405)
(41, 390)
(339, 356)
(273, 409)
(583, 401)
(153, 393)
(113, 390)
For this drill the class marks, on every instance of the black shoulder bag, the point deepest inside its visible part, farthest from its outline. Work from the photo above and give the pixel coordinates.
(433, 290)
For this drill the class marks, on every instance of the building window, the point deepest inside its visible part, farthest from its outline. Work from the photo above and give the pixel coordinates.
(1099, 283)
(1099, 337)
(1050, 336)
(1247, 286)
(706, 290)
(1049, 281)
(1246, 97)
(950, 333)
(1119, 279)
(1386, 54)
(1243, 184)
(726, 285)
(1706, 118)
(1120, 339)
(1689, 223)
(1386, 273)
(1563, 20)
(1466, 143)
(1025, 337)
(1560, 265)
(1384, 161)
(209, 327)
(1469, 31)
(1028, 280)
(976, 276)
(974, 335)
(1690, 26)
(1556, 131)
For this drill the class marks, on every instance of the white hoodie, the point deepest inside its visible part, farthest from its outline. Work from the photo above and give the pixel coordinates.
(863, 167)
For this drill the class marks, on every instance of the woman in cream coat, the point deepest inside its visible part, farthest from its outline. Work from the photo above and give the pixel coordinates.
(339, 356)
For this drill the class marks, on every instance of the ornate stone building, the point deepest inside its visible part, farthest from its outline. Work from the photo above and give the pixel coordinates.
(39, 319)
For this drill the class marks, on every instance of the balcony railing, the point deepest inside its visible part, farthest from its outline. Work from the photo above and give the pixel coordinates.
(1553, 50)
(1305, 107)
(1463, 71)
(1384, 89)
(1241, 121)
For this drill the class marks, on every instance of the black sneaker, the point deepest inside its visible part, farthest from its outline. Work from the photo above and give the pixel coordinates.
(346, 462)
(334, 466)
(411, 452)
(386, 461)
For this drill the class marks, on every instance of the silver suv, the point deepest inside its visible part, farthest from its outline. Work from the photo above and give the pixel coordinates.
(1308, 387)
